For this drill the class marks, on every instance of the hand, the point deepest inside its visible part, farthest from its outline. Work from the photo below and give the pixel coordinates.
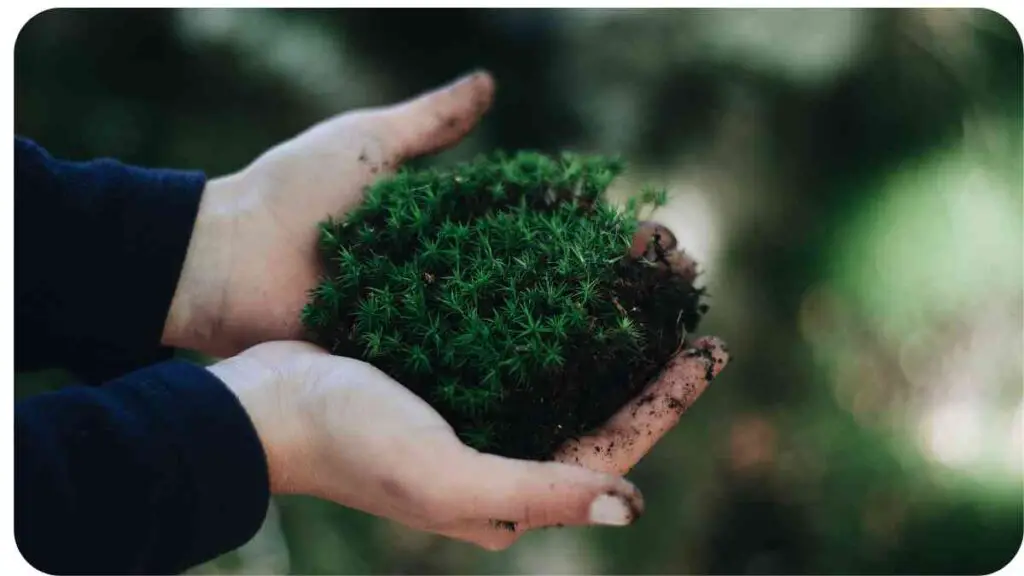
(340, 429)
(252, 259)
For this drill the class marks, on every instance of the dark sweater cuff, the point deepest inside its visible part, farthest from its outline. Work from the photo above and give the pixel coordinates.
(158, 218)
(155, 472)
(101, 245)
(220, 452)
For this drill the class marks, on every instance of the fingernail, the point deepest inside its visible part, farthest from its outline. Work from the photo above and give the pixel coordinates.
(712, 351)
(609, 510)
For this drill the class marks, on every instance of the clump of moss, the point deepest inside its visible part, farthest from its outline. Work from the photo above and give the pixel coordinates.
(503, 292)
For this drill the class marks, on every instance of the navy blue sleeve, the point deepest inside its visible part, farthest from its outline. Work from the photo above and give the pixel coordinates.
(154, 472)
(99, 247)
(151, 472)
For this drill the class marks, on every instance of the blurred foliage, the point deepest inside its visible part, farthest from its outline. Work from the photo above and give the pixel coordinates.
(850, 179)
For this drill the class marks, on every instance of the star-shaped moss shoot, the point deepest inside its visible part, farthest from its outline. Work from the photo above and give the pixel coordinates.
(507, 292)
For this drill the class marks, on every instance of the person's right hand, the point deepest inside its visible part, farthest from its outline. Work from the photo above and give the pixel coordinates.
(252, 258)
(342, 430)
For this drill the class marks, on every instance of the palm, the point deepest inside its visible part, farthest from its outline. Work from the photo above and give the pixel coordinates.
(278, 263)
(401, 439)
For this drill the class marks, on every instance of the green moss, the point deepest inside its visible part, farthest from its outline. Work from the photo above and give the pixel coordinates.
(502, 292)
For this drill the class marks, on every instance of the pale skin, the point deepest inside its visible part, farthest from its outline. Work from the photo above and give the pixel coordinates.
(338, 428)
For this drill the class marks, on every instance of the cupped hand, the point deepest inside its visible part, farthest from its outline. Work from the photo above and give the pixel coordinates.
(252, 259)
(342, 430)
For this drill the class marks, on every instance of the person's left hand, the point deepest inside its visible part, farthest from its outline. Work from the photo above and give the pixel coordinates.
(252, 259)
(342, 430)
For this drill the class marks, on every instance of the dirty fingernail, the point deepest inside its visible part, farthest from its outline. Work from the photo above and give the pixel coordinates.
(608, 510)
(715, 350)
(716, 346)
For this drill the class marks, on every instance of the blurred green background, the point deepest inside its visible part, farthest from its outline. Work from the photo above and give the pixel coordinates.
(850, 179)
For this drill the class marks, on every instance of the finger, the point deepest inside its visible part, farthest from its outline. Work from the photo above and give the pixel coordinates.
(438, 119)
(654, 242)
(648, 234)
(488, 535)
(528, 494)
(495, 535)
(631, 433)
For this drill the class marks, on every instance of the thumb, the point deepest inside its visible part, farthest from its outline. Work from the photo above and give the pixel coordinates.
(534, 494)
(438, 119)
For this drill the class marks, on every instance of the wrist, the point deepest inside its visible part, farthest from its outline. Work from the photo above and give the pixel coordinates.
(271, 410)
(194, 317)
